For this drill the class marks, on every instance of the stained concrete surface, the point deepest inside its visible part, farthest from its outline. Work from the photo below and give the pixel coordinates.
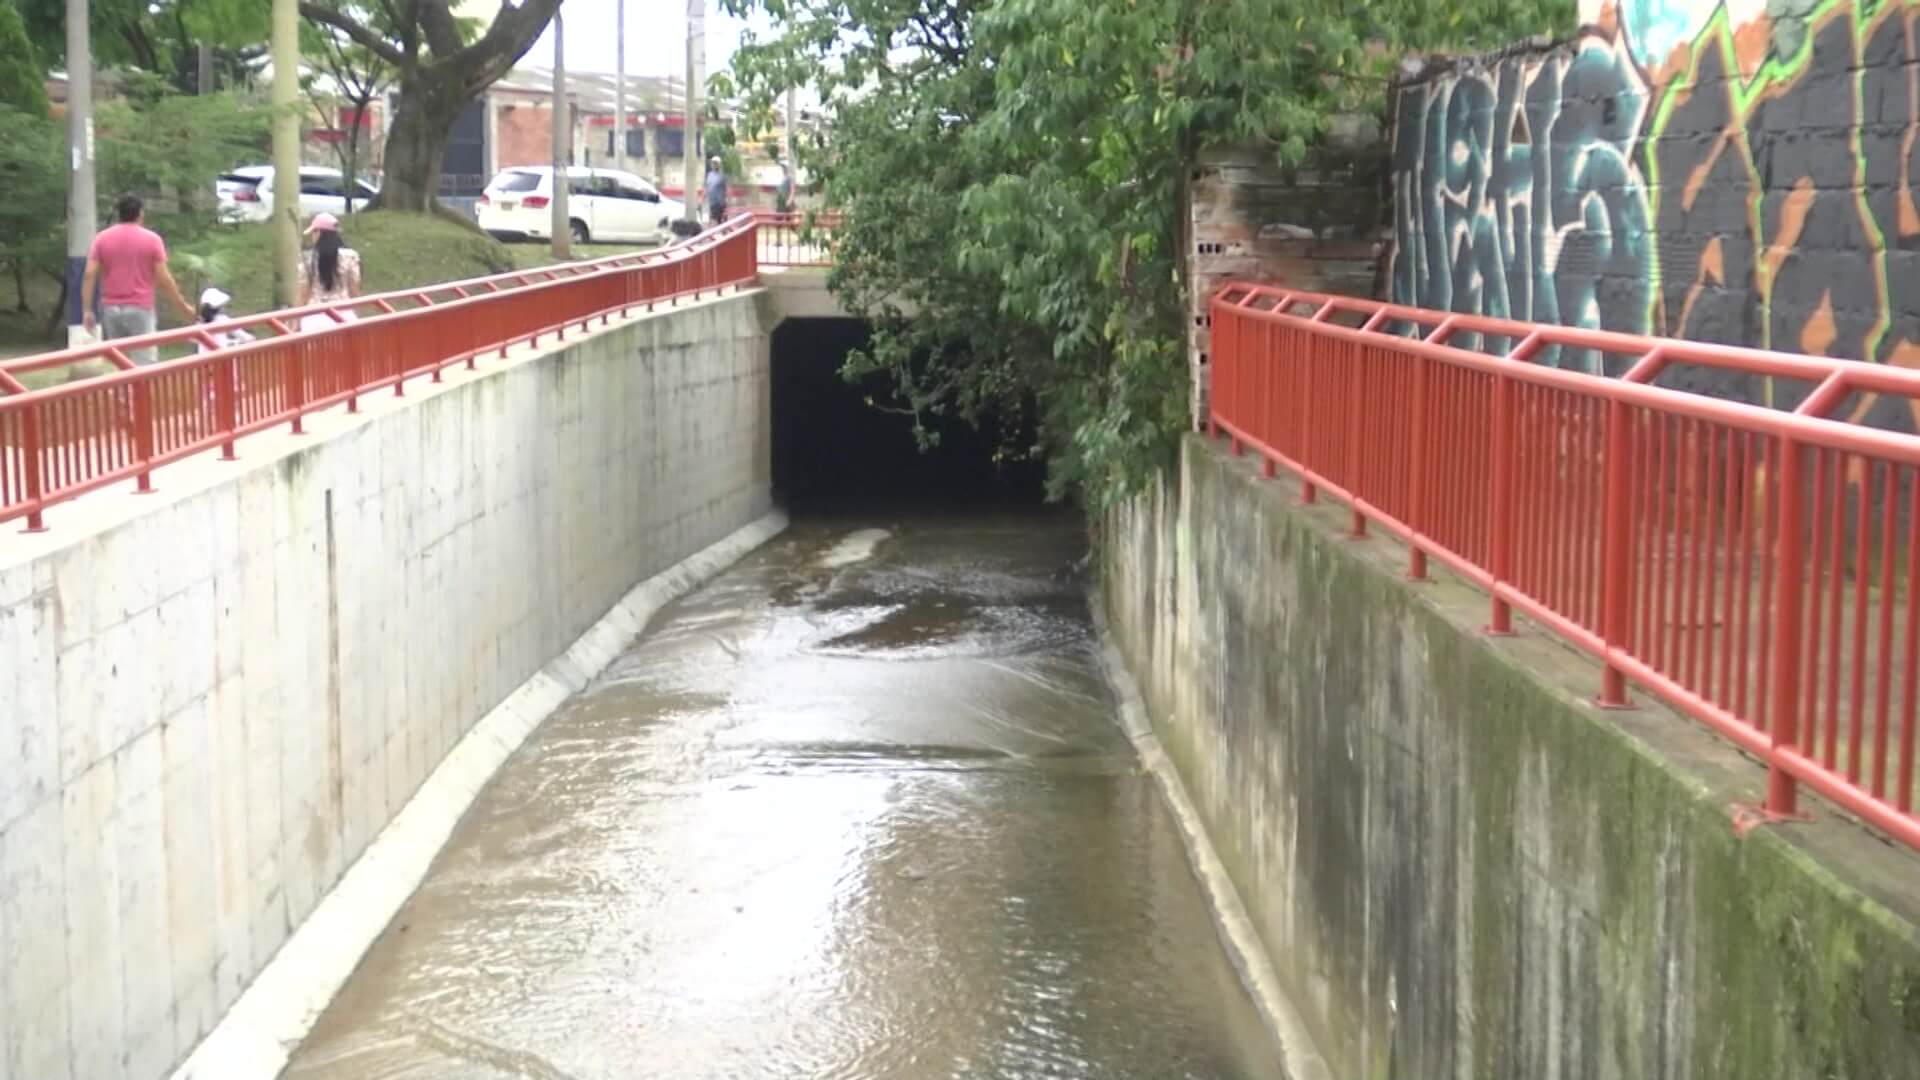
(859, 808)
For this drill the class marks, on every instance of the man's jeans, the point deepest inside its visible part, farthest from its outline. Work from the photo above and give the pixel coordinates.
(125, 321)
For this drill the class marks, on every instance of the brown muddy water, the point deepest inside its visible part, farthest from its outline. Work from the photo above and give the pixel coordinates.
(859, 808)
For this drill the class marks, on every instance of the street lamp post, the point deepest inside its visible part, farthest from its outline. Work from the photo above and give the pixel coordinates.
(690, 144)
(81, 200)
(620, 85)
(562, 221)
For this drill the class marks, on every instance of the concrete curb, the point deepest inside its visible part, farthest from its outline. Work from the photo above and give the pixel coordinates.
(256, 1036)
(1299, 1057)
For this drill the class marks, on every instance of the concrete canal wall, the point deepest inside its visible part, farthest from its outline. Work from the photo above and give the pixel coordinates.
(1457, 865)
(213, 698)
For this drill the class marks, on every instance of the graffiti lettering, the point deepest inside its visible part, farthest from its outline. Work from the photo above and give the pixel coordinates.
(1757, 188)
(1517, 196)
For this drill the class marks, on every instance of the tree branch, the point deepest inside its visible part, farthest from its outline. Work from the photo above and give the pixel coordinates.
(513, 32)
(361, 36)
(436, 18)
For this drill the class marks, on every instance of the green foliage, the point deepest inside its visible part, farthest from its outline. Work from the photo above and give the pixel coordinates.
(22, 80)
(168, 148)
(33, 176)
(155, 36)
(440, 62)
(162, 146)
(1012, 174)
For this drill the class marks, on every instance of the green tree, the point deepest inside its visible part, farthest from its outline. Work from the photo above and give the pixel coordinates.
(23, 82)
(164, 146)
(33, 176)
(346, 80)
(158, 37)
(168, 147)
(30, 163)
(1012, 174)
(439, 67)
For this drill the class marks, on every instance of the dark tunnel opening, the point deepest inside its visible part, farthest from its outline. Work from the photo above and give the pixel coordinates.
(834, 452)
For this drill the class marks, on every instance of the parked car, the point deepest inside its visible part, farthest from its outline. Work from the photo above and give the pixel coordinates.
(603, 204)
(246, 194)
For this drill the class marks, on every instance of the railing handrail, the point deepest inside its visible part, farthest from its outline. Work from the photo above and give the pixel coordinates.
(1844, 376)
(421, 297)
(1655, 517)
(1859, 374)
(60, 442)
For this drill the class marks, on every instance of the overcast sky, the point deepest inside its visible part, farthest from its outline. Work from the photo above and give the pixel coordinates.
(656, 37)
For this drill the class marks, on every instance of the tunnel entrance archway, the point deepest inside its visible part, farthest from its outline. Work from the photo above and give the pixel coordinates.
(833, 450)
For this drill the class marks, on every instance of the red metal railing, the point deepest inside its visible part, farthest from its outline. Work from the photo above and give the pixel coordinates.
(1752, 567)
(63, 441)
(803, 239)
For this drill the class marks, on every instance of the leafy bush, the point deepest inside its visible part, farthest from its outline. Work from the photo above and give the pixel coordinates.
(1012, 175)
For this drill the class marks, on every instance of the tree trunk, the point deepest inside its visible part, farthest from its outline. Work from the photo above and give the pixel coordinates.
(429, 102)
(20, 286)
(58, 316)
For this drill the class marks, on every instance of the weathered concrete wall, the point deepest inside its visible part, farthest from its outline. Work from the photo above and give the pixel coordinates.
(1736, 172)
(210, 706)
(1314, 227)
(1458, 866)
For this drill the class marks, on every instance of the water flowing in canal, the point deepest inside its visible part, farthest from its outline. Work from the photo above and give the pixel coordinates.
(858, 808)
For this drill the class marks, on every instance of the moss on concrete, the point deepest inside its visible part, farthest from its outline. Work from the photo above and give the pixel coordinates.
(1459, 865)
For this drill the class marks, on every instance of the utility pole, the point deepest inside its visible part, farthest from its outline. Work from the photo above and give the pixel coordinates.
(204, 74)
(562, 221)
(786, 132)
(620, 85)
(81, 203)
(285, 46)
(650, 135)
(690, 152)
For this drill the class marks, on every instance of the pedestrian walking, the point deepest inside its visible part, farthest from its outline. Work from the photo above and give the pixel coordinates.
(213, 310)
(127, 260)
(716, 192)
(783, 195)
(329, 272)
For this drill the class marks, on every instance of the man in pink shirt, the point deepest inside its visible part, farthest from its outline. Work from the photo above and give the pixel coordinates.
(126, 260)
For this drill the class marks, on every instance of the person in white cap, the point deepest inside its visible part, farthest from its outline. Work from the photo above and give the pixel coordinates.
(330, 270)
(213, 309)
(716, 192)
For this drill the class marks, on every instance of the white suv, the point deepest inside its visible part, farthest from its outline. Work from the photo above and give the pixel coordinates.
(247, 194)
(602, 204)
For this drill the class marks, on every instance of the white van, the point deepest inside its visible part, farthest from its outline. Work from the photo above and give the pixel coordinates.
(603, 204)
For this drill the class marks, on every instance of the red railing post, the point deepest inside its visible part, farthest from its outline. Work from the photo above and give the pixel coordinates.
(1616, 570)
(1416, 466)
(1784, 725)
(1500, 506)
(226, 402)
(35, 461)
(296, 387)
(143, 434)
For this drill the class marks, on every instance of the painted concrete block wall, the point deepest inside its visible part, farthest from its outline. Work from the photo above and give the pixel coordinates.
(209, 709)
(1741, 172)
(1458, 867)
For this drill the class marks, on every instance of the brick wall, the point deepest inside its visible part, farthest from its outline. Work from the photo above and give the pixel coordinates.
(1252, 219)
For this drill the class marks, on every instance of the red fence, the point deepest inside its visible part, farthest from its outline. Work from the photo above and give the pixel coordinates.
(1753, 567)
(62, 441)
(802, 239)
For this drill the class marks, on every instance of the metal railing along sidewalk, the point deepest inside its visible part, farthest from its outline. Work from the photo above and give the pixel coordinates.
(63, 441)
(1752, 567)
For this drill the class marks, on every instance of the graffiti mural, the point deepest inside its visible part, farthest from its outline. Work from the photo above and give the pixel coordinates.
(1516, 193)
(1738, 172)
